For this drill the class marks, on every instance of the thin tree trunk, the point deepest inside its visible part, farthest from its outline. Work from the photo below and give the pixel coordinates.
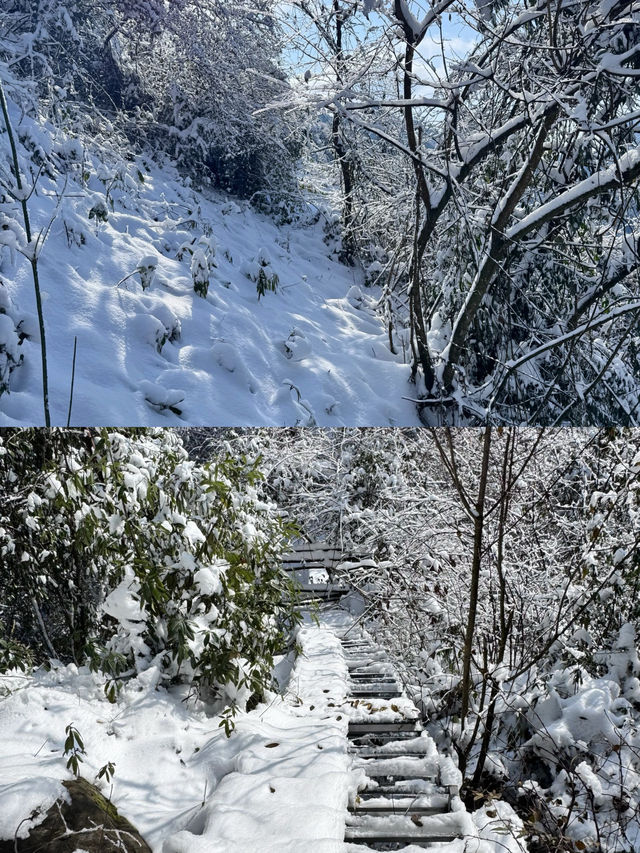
(340, 150)
(478, 530)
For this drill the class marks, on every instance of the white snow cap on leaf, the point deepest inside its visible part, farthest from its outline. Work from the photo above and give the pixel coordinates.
(123, 604)
(54, 486)
(626, 638)
(619, 556)
(116, 523)
(187, 561)
(208, 578)
(192, 533)
(249, 532)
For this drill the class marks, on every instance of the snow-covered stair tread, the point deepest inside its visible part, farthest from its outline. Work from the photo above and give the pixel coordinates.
(400, 804)
(376, 690)
(386, 712)
(422, 745)
(409, 767)
(440, 827)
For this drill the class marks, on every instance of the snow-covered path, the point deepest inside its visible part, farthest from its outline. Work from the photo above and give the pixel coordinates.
(289, 784)
(315, 351)
(279, 783)
(286, 781)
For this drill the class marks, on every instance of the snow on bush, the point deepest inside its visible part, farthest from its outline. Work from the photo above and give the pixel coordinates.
(296, 346)
(10, 355)
(120, 552)
(200, 272)
(146, 270)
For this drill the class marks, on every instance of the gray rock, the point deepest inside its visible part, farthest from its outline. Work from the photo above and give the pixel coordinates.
(89, 823)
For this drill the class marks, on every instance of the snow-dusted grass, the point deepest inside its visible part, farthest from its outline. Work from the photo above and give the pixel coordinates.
(152, 351)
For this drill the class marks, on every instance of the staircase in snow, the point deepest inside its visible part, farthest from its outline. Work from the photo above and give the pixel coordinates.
(313, 567)
(407, 792)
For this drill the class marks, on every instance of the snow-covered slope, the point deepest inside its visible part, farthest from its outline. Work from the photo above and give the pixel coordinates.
(312, 352)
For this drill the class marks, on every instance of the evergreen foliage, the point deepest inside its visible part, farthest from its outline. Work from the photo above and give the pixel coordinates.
(119, 552)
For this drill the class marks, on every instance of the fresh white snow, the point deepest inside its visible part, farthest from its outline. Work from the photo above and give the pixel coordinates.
(150, 350)
(280, 784)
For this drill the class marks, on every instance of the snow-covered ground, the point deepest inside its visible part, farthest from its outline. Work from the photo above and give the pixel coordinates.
(313, 352)
(279, 784)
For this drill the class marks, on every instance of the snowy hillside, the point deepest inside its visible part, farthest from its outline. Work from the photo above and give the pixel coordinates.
(312, 351)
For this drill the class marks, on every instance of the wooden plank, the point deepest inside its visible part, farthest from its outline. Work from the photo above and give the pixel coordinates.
(390, 791)
(374, 752)
(407, 808)
(377, 672)
(365, 681)
(416, 775)
(440, 827)
(364, 728)
(376, 694)
(403, 840)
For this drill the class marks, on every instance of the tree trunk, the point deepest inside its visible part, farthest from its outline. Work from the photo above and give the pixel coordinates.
(478, 530)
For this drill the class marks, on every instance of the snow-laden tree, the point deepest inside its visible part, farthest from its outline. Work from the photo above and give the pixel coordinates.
(119, 552)
(518, 247)
(506, 592)
(333, 47)
(187, 77)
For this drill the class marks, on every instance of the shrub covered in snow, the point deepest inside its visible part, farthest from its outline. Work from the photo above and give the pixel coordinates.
(119, 552)
(150, 68)
(10, 355)
(146, 270)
